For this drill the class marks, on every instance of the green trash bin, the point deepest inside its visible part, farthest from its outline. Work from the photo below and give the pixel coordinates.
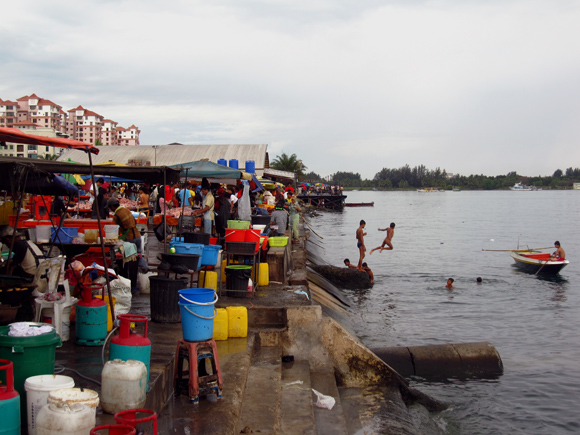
(31, 356)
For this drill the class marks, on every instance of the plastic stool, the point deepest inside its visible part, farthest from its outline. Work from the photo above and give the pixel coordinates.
(191, 379)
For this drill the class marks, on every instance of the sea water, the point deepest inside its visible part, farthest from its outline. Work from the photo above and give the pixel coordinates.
(533, 321)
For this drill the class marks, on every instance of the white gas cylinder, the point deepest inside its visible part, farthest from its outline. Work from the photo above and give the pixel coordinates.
(124, 385)
(62, 419)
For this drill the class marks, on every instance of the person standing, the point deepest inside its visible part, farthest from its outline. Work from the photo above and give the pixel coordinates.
(360, 244)
(207, 207)
(100, 202)
(294, 215)
(390, 233)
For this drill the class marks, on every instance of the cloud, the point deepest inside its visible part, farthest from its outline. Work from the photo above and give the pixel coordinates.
(470, 86)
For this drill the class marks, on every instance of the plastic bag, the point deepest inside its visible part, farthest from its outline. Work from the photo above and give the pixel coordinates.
(121, 291)
(323, 401)
(143, 281)
(244, 209)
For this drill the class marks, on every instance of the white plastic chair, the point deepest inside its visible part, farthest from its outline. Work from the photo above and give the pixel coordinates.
(58, 306)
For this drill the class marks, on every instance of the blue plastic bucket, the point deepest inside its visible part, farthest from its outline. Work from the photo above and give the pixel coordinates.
(251, 166)
(209, 256)
(197, 307)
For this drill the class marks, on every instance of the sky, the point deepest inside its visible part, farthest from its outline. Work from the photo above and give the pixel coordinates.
(470, 86)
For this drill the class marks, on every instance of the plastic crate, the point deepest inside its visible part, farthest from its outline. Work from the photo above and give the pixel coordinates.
(188, 248)
(278, 241)
(196, 238)
(244, 225)
(240, 248)
(209, 257)
(65, 234)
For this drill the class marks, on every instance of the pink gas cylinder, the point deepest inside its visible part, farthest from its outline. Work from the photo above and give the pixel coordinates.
(128, 344)
(9, 400)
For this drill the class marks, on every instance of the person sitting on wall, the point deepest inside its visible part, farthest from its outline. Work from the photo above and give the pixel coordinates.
(279, 220)
(127, 228)
(27, 255)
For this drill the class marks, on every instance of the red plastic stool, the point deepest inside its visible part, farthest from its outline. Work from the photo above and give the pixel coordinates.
(195, 379)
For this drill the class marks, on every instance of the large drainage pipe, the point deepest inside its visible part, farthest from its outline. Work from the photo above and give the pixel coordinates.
(445, 360)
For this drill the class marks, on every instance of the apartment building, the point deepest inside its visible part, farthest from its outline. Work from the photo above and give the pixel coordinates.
(109, 134)
(79, 123)
(31, 151)
(128, 136)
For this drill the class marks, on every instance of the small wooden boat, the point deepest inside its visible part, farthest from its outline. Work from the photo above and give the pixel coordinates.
(537, 262)
(359, 204)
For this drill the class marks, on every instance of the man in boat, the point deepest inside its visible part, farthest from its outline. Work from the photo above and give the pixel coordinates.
(390, 233)
(559, 254)
(360, 244)
(368, 270)
(449, 284)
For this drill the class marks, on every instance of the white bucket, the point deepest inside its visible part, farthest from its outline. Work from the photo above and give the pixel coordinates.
(37, 390)
(71, 396)
(111, 232)
(43, 233)
(48, 317)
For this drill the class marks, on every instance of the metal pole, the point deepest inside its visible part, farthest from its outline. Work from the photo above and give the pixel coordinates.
(183, 205)
(102, 238)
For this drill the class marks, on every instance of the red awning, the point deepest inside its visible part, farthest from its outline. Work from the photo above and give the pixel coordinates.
(18, 136)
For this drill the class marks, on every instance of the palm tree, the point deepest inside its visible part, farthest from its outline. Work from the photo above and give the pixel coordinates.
(49, 157)
(292, 163)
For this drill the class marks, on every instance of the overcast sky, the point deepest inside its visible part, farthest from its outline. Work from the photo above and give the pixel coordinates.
(471, 86)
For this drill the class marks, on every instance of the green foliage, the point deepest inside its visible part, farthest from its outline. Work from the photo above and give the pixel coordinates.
(311, 177)
(292, 163)
(406, 177)
(98, 142)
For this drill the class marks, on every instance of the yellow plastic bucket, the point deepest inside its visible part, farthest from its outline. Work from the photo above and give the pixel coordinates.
(210, 279)
(109, 315)
(220, 324)
(264, 277)
(237, 322)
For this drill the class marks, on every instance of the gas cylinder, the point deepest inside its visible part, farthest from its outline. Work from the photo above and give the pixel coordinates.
(128, 344)
(123, 385)
(65, 419)
(9, 400)
(91, 317)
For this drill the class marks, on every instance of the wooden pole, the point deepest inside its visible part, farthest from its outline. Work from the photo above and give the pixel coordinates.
(514, 250)
(102, 238)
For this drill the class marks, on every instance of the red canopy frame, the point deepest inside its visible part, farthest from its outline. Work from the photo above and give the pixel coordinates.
(18, 136)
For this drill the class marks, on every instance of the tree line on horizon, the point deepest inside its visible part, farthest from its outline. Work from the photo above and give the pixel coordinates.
(420, 176)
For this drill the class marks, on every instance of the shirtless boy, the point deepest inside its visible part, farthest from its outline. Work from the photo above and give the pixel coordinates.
(559, 254)
(390, 233)
(360, 244)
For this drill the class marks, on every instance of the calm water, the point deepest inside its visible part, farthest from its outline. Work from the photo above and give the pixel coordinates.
(532, 322)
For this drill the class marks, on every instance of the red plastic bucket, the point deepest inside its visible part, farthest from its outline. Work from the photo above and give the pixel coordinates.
(253, 236)
(145, 418)
(114, 429)
(235, 235)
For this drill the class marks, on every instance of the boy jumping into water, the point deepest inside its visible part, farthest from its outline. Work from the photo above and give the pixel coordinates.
(390, 233)
(360, 244)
